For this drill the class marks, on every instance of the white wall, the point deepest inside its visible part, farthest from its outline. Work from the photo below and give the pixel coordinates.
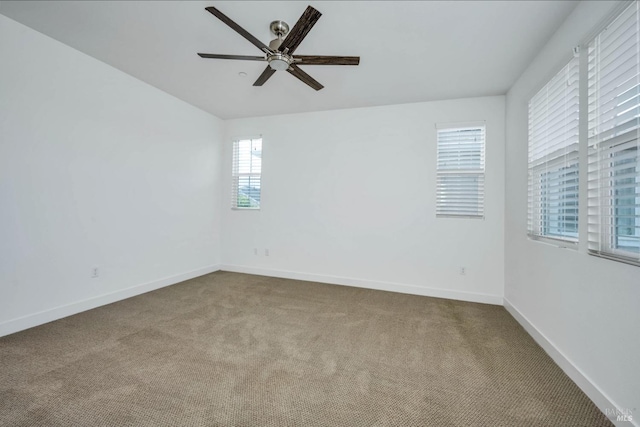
(96, 169)
(349, 198)
(582, 309)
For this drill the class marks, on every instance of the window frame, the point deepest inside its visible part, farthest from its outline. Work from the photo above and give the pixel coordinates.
(237, 176)
(607, 136)
(560, 154)
(443, 210)
(547, 215)
(607, 203)
(615, 198)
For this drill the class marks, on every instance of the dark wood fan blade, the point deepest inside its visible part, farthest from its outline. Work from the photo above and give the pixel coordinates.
(300, 30)
(326, 60)
(304, 77)
(244, 57)
(268, 72)
(244, 33)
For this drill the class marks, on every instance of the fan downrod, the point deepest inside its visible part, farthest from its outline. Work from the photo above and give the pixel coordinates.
(279, 29)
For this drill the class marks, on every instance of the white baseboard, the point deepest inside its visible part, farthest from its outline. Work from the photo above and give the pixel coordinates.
(601, 400)
(369, 284)
(35, 319)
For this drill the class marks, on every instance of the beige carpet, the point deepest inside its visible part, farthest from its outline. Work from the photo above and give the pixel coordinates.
(232, 349)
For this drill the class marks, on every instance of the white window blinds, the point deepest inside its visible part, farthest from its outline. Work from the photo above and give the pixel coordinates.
(614, 130)
(460, 171)
(246, 174)
(553, 157)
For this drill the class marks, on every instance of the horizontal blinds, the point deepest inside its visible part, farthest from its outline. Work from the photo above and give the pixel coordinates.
(614, 130)
(460, 171)
(553, 157)
(246, 174)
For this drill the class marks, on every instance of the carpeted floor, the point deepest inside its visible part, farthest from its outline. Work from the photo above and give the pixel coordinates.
(231, 349)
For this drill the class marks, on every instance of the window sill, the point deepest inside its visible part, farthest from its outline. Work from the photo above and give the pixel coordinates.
(612, 257)
(460, 216)
(558, 243)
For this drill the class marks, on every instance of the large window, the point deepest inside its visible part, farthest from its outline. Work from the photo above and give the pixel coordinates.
(614, 130)
(553, 157)
(246, 171)
(460, 171)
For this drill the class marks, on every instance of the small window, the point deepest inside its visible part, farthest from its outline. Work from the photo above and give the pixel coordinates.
(614, 147)
(460, 171)
(553, 158)
(247, 169)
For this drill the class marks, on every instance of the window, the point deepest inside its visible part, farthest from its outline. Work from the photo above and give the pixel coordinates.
(460, 171)
(614, 130)
(247, 167)
(553, 158)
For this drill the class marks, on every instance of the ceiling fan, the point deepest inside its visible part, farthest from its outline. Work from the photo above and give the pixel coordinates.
(279, 53)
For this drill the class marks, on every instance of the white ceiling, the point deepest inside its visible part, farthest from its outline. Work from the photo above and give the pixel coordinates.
(410, 51)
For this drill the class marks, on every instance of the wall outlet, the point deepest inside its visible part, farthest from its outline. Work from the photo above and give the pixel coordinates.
(255, 251)
(266, 252)
(463, 271)
(95, 272)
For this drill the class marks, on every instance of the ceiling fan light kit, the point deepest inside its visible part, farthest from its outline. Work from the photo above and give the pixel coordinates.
(279, 54)
(279, 61)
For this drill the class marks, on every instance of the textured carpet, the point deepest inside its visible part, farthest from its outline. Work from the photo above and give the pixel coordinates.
(231, 349)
